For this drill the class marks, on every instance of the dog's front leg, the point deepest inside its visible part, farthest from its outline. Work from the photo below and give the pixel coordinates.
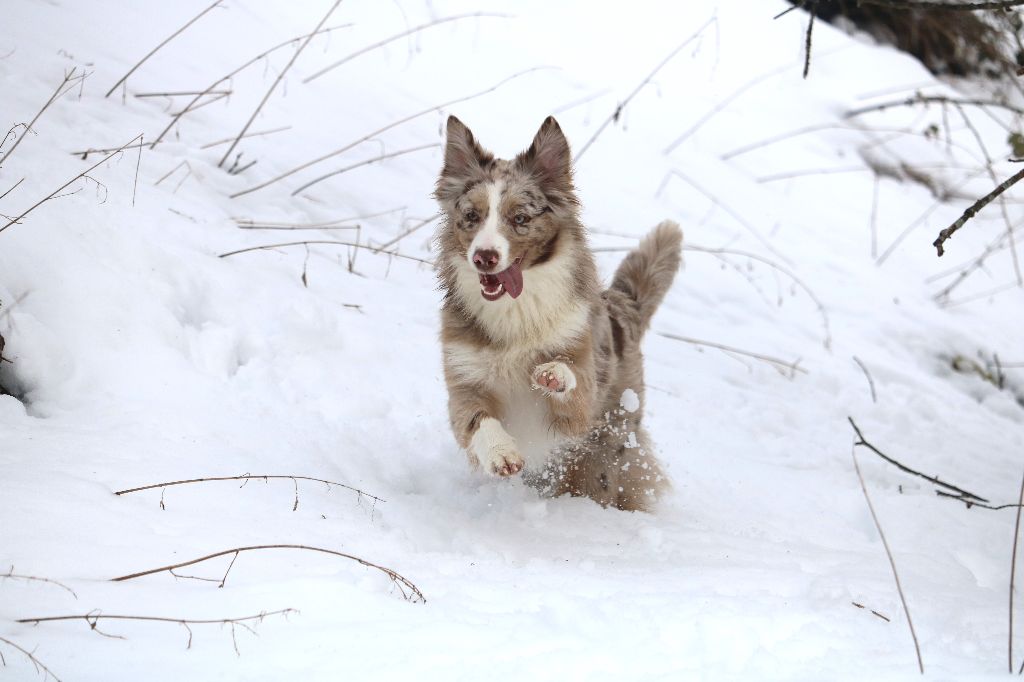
(474, 417)
(569, 383)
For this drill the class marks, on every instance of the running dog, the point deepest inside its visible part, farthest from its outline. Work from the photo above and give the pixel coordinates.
(543, 368)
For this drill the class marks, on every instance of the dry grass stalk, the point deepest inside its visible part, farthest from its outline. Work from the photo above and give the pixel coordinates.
(277, 81)
(785, 368)
(84, 174)
(30, 655)
(356, 245)
(157, 48)
(892, 561)
(617, 113)
(69, 78)
(246, 478)
(399, 36)
(365, 162)
(378, 131)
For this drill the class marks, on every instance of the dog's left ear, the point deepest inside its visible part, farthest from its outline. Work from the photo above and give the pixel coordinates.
(548, 158)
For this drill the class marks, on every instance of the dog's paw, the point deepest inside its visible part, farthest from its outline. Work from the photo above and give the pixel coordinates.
(554, 378)
(495, 449)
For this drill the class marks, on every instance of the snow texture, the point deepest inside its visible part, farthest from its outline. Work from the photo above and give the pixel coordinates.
(138, 356)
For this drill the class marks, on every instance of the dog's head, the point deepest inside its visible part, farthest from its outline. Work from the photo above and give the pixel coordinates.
(505, 216)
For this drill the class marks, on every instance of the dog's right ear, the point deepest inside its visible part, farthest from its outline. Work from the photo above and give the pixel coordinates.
(463, 155)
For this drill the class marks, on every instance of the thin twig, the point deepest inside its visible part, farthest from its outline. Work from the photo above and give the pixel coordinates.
(398, 36)
(247, 478)
(68, 78)
(723, 103)
(874, 217)
(191, 105)
(400, 581)
(964, 496)
(378, 131)
(406, 233)
(934, 99)
(791, 367)
(92, 620)
(617, 113)
(36, 663)
(277, 81)
(337, 223)
(871, 382)
(760, 259)
(365, 162)
(265, 247)
(83, 174)
(157, 48)
(725, 207)
(11, 575)
(1013, 568)
(12, 188)
(182, 93)
(888, 553)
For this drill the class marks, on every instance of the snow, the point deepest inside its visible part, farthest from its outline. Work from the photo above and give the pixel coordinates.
(630, 401)
(142, 357)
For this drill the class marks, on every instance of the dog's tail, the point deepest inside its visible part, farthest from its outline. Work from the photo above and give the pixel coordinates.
(647, 272)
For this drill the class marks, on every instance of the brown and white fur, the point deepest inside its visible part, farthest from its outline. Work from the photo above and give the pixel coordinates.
(538, 381)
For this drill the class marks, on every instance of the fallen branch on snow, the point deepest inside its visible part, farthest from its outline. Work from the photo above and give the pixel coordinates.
(93, 619)
(30, 655)
(249, 477)
(413, 595)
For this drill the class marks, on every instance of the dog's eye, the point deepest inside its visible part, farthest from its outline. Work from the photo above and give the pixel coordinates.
(521, 219)
(471, 216)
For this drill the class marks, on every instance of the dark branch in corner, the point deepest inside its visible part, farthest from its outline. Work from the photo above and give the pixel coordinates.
(414, 595)
(973, 209)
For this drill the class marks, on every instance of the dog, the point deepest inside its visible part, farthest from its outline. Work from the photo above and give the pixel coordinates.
(543, 368)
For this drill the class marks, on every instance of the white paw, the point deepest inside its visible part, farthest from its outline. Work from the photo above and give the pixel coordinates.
(495, 449)
(554, 378)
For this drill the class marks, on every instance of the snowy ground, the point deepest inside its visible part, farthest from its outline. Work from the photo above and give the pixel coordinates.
(141, 357)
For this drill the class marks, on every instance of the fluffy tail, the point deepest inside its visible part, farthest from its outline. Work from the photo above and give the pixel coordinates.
(647, 272)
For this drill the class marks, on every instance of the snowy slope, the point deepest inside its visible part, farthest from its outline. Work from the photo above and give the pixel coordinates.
(141, 357)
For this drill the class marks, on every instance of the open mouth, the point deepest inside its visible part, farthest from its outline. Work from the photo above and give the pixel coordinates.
(509, 281)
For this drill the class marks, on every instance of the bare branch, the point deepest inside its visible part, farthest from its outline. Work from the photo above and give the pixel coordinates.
(192, 105)
(406, 233)
(365, 162)
(400, 581)
(790, 367)
(615, 115)
(81, 175)
(280, 77)
(1013, 568)
(964, 496)
(933, 99)
(867, 374)
(36, 663)
(888, 553)
(247, 478)
(11, 189)
(398, 36)
(93, 618)
(157, 48)
(11, 575)
(973, 209)
(389, 126)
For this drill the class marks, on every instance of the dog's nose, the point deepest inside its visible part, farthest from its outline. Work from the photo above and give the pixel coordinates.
(486, 259)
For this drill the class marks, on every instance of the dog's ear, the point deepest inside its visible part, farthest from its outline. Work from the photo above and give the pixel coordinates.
(549, 160)
(463, 155)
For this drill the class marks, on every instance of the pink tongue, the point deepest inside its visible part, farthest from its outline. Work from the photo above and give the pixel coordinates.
(512, 280)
